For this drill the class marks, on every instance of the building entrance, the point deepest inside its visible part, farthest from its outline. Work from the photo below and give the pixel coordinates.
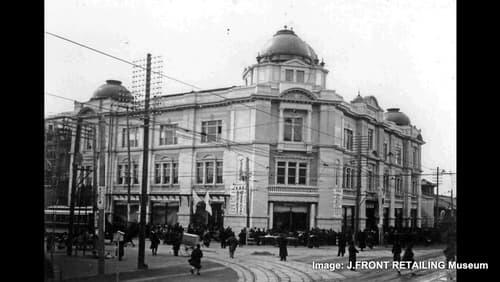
(291, 217)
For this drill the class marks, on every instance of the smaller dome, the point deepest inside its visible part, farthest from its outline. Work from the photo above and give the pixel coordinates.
(397, 117)
(113, 89)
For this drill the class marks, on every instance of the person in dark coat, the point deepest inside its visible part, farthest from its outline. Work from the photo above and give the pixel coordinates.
(243, 237)
(396, 253)
(176, 243)
(282, 243)
(195, 260)
(342, 243)
(352, 255)
(233, 243)
(222, 237)
(155, 241)
(369, 239)
(206, 239)
(361, 240)
(408, 256)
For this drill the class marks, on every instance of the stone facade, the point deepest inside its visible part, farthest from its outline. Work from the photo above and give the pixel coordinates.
(299, 138)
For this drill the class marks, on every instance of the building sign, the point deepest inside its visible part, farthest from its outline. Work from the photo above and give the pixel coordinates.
(101, 197)
(337, 203)
(237, 201)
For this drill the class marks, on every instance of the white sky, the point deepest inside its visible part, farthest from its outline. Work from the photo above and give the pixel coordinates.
(403, 52)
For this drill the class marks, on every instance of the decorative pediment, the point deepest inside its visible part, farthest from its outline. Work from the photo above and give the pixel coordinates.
(295, 62)
(298, 94)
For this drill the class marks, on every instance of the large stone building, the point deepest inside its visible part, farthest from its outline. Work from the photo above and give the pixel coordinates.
(312, 156)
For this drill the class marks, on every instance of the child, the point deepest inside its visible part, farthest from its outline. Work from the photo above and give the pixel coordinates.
(195, 260)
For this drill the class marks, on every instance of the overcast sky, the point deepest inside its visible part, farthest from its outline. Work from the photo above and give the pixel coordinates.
(402, 52)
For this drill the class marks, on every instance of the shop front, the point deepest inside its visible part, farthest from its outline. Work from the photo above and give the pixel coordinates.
(291, 216)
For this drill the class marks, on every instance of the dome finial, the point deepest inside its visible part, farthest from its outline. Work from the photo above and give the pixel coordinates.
(285, 26)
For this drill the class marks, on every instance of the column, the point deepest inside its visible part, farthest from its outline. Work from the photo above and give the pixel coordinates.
(419, 203)
(271, 215)
(312, 215)
(282, 126)
(392, 189)
(309, 131)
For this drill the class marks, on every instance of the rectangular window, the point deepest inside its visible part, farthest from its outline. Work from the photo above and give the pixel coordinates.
(219, 172)
(289, 75)
(166, 173)
(398, 155)
(175, 173)
(291, 173)
(120, 174)
(136, 174)
(211, 131)
(302, 173)
(353, 179)
(386, 182)
(385, 151)
(300, 76)
(370, 139)
(134, 137)
(348, 142)
(157, 174)
(281, 173)
(199, 173)
(209, 172)
(293, 129)
(168, 134)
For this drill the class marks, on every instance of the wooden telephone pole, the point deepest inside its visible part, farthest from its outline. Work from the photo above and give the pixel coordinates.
(144, 196)
(76, 161)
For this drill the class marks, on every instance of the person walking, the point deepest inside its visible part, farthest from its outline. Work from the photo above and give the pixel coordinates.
(233, 243)
(352, 255)
(176, 243)
(206, 239)
(396, 253)
(342, 243)
(195, 260)
(282, 243)
(222, 237)
(408, 257)
(361, 240)
(155, 241)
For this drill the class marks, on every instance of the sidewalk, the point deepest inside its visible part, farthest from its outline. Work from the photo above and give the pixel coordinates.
(84, 268)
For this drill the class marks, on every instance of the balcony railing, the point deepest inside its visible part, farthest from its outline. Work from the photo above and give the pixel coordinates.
(292, 189)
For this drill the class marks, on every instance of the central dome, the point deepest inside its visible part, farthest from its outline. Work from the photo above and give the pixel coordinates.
(286, 45)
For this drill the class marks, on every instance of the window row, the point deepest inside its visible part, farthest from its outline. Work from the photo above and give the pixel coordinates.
(211, 131)
(299, 76)
(291, 173)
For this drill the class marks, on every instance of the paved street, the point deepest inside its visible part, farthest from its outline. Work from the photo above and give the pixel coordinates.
(251, 263)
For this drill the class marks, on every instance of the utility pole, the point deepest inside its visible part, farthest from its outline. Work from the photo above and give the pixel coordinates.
(437, 197)
(357, 226)
(129, 169)
(102, 184)
(76, 161)
(94, 179)
(247, 187)
(144, 199)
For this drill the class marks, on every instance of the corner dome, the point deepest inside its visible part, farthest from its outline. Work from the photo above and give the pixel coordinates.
(397, 117)
(113, 89)
(286, 45)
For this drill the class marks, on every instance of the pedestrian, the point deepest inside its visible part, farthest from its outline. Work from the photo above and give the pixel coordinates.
(206, 238)
(222, 237)
(242, 236)
(342, 243)
(195, 260)
(408, 257)
(282, 243)
(369, 239)
(361, 240)
(50, 242)
(155, 241)
(396, 253)
(176, 243)
(119, 239)
(233, 243)
(352, 255)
